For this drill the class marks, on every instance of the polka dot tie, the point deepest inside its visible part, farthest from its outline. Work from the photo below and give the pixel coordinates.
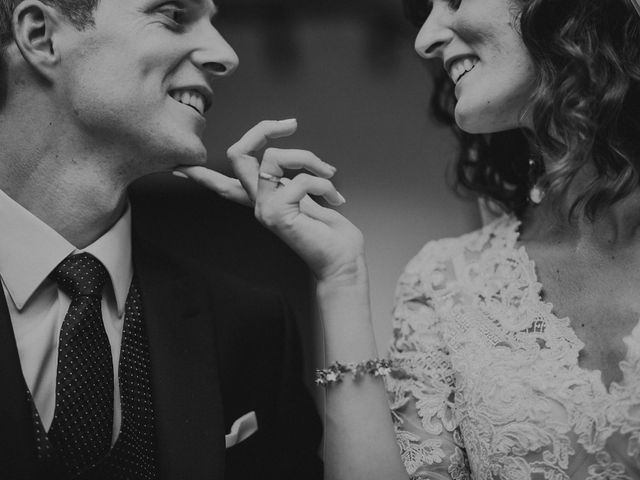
(134, 455)
(82, 425)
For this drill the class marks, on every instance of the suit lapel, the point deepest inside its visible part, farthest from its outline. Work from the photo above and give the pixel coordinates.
(184, 370)
(17, 436)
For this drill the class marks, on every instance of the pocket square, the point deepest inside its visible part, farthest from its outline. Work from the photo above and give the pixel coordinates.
(242, 429)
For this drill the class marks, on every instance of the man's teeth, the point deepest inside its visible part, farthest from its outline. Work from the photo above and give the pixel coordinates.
(461, 67)
(190, 98)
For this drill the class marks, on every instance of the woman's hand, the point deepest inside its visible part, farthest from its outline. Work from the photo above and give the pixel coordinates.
(359, 433)
(330, 244)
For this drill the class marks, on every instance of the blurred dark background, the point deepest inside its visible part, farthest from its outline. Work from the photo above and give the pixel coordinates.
(347, 71)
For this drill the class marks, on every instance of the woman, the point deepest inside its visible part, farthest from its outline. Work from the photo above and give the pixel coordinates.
(517, 347)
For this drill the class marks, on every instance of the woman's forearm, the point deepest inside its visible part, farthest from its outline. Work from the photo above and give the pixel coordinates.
(359, 438)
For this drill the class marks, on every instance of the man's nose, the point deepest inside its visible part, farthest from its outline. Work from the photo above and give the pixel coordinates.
(215, 56)
(435, 34)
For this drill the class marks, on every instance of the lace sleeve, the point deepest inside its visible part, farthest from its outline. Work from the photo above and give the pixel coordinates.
(422, 383)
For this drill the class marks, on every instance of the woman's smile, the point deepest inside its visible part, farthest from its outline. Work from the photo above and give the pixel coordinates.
(466, 33)
(461, 66)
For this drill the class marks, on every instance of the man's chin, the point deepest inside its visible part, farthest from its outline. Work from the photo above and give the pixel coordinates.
(196, 155)
(168, 163)
(193, 161)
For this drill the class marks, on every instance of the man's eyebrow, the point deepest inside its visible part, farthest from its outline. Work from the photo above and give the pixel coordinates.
(206, 4)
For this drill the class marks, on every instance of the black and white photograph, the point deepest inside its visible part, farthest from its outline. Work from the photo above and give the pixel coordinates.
(320, 239)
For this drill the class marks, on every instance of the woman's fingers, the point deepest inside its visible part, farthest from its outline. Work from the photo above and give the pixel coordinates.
(305, 184)
(272, 196)
(257, 136)
(275, 160)
(229, 188)
(316, 211)
(242, 153)
(263, 180)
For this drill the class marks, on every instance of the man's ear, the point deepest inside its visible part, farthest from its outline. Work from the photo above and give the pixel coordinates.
(35, 25)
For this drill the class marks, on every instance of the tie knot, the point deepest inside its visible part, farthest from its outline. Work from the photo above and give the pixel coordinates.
(81, 274)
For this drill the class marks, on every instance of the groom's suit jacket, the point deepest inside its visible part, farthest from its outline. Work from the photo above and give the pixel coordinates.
(219, 349)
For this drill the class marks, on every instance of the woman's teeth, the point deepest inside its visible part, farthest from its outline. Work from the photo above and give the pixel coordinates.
(461, 67)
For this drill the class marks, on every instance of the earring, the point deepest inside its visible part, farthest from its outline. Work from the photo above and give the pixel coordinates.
(536, 190)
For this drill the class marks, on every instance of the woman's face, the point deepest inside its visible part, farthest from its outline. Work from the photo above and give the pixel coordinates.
(485, 57)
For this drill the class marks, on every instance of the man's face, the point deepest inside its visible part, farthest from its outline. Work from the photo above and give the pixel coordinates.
(140, 81)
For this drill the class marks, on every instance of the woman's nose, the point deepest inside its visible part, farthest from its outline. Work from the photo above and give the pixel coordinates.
(434, 35)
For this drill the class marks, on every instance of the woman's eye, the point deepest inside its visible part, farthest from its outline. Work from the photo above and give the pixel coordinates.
(454, 4)
(417, 11)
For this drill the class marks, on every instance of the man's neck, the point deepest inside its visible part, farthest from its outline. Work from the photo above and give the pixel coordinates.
(81, 213)
(70, 189)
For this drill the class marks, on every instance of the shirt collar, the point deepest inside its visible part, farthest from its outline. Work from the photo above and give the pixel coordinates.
(30, 250)
(113, 249)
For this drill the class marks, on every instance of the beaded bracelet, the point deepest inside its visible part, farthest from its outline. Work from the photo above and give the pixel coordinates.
(334, 374)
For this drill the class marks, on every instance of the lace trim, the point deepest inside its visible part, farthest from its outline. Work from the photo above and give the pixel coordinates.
(481, 352)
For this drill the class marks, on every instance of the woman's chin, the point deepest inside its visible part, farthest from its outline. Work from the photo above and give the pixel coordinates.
(478, 121)
(470, 123)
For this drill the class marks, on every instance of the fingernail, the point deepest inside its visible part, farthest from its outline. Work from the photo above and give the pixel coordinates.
(341, 198)
(178, 173)
(332, 168)
(289, 120)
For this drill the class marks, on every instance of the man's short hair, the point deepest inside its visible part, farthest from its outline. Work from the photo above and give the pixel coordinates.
(79, 12)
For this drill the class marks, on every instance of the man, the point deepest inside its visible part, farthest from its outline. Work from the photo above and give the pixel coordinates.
(118, 361)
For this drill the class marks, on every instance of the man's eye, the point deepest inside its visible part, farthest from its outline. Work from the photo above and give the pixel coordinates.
(173, 11)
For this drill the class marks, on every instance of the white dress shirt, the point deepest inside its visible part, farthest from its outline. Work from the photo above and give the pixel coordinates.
(29, 251)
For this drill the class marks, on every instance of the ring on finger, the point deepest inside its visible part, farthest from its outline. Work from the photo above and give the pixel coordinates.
(271, 178)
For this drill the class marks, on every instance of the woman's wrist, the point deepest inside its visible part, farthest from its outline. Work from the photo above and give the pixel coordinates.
(343, 308)
(352, 274)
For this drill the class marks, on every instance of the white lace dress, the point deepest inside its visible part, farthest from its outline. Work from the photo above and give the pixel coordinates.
(488, 385)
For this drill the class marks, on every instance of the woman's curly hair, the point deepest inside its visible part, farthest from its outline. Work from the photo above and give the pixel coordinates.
(585, 108)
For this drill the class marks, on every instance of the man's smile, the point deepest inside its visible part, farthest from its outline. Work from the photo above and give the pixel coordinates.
(195, 98)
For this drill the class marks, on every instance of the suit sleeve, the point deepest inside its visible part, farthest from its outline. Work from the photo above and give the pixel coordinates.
(301, 428)
(262, 368)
